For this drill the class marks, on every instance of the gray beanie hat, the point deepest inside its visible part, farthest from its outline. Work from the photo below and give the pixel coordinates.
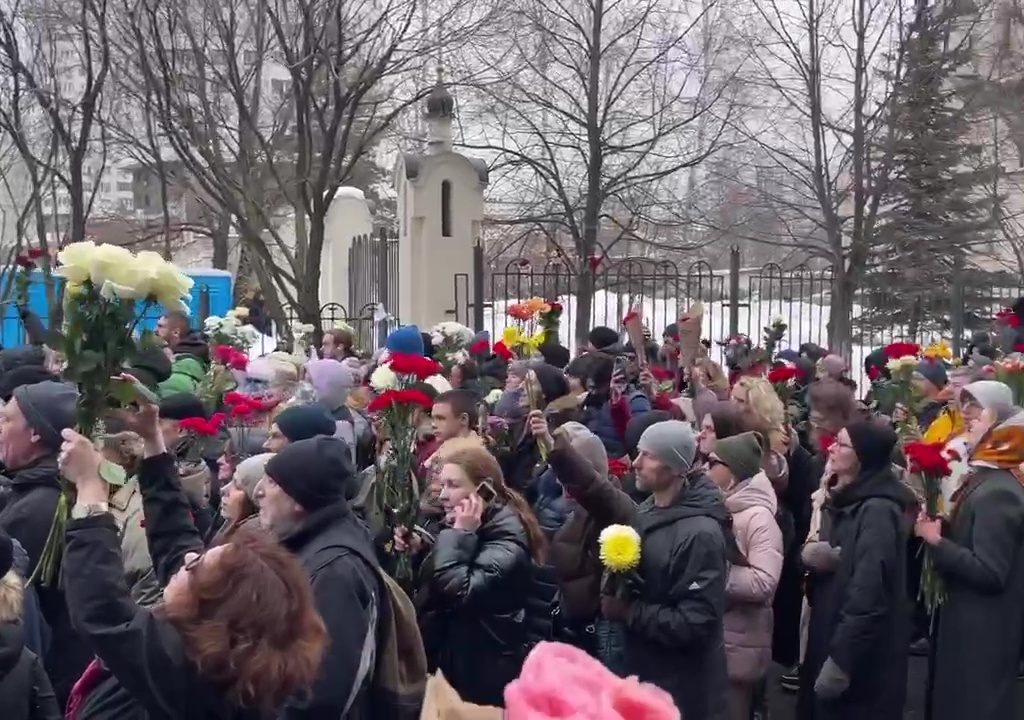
(933, 372)
(990, 394)
(249, 472)
(741, 453)
(49, 409)
(671, 442)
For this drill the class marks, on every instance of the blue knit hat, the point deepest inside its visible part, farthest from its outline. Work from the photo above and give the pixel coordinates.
(406, 339)
(934, 372)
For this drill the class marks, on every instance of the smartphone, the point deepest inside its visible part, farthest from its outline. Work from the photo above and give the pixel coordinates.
(486, 492)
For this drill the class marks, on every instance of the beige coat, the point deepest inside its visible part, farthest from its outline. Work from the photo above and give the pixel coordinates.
(126, 507)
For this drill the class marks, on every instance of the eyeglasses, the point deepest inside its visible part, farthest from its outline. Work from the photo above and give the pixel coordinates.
(714, 462)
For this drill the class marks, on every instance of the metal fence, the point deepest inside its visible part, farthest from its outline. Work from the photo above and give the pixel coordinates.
(738, 300)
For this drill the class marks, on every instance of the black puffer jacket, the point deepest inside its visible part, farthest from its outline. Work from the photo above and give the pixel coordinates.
(473, 591)
(675, 635)
(32, 494)
(860, 615)
(25, 692)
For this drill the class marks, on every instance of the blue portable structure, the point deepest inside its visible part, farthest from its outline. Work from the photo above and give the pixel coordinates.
(212, 294)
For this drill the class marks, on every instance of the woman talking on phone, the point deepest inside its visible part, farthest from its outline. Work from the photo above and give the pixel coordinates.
(473, 587)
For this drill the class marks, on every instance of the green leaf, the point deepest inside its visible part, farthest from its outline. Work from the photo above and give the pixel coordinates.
(55, 339)
(88, 360)
(113, 474)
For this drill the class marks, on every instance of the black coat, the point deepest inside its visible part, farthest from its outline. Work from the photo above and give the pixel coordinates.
(31, 500)
(674, 637)
(804, 477)
(860, 615)
(472, 596)
(148, 674)
(25, 692)
(335, 549)
(981, 562)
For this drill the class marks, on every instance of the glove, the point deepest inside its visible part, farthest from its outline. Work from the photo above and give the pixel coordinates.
(832, 681)
(820, 556)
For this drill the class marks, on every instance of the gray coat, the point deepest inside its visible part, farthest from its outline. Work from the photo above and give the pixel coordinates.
(981, 622)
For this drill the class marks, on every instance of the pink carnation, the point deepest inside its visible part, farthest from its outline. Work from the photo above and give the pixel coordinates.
(561, 682)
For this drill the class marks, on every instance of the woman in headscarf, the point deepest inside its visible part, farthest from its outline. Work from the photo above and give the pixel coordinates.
(979, 555)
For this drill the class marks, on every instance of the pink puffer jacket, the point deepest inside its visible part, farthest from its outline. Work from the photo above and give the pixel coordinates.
(750, 588)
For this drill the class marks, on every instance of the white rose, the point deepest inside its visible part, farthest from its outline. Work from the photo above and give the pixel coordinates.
(212, 323)
(908, 361)
(74, 261)
(383, 379)
(162, 280)
(110, 290)
(893, 365)
(493, 396)
(239, 312)
(116, 265)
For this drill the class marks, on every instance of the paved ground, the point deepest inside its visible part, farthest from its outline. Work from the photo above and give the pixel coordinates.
(782, 706)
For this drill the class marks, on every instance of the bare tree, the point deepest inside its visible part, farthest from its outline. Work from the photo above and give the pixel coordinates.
(593, 112)
(56, 58)
(272, 105)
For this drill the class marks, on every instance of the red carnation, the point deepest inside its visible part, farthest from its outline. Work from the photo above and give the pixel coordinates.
(502, 351)
(23, 261)
(239, 361)
(223, 354)
(784, 374)
(202, 426)
(874, 372)
(1019, 347)
(618, 467)
(897, 350)
(661, 373)
(409, 396)
(480, 347)
(35, 253)
(556, 307)
(927, 458)
(242, 410)
(421, 367)
(236, 398)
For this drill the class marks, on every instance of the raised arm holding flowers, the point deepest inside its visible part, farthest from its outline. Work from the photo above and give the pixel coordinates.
(108, 291)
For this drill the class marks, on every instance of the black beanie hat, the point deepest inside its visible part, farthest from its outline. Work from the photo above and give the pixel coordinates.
(150, 366)
(553, 384)
(555, 355)
(313, 472)
(873, 441)
(303, 422)
(181, 406)
(24, 375)
(602, 337)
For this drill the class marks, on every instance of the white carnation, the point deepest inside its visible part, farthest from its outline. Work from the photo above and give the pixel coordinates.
(493, 396)
(383, 379)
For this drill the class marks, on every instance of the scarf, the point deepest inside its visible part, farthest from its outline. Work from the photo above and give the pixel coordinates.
(1002, 447)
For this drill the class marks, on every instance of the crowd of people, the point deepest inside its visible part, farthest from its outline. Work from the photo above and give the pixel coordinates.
(247, 567)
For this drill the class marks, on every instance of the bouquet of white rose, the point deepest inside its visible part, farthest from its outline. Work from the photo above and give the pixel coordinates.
(231, 330)
(108, 291)
(451, 342)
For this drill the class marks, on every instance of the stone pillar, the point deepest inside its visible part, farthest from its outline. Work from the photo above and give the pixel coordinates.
(440, 211)
(348, 216)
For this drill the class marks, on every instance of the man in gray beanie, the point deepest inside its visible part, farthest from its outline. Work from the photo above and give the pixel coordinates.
(673, 623)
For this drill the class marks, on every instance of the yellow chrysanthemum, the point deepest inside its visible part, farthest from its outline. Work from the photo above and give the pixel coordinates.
(619, 548)
(939, 351)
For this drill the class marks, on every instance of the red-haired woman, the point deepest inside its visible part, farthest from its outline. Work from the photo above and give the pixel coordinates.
(237, 633)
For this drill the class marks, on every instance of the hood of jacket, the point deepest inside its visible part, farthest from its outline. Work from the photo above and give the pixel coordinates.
(20, 356)
(881, 484)
(755, 492)
(188, 365)
(12, 642)
(699, 497)
(43, 472)
(194, 343)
